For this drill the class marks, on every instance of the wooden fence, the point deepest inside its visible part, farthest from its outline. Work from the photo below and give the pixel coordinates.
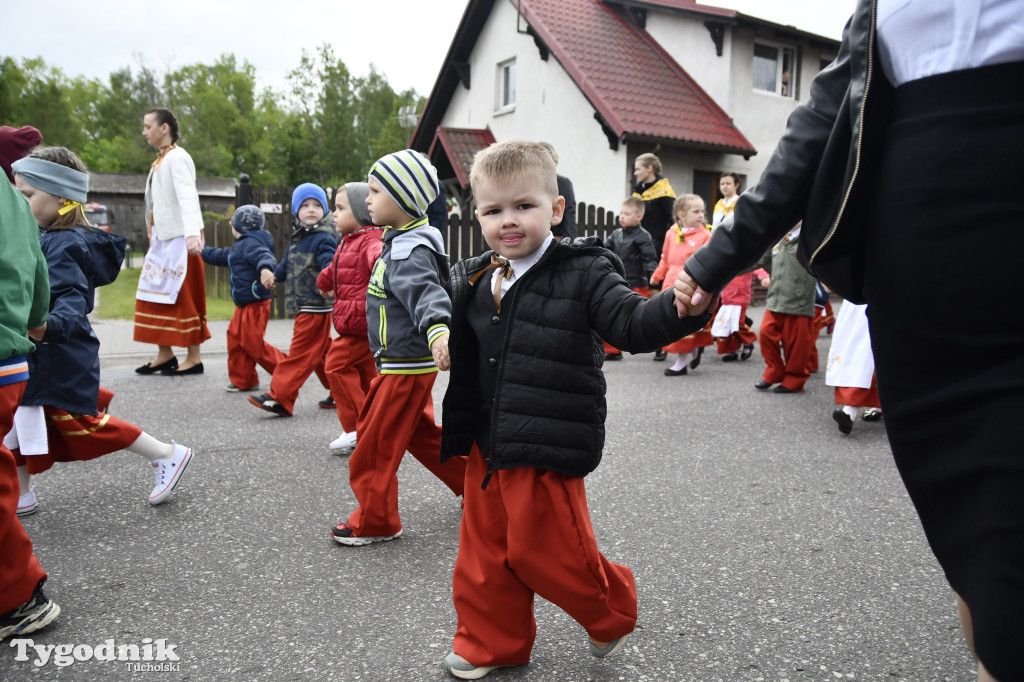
(462, 235)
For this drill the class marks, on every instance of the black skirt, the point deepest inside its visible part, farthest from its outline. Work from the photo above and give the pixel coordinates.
(944, 276)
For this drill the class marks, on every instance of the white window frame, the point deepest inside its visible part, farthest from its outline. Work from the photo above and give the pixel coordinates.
(505, 86)
(780, 62)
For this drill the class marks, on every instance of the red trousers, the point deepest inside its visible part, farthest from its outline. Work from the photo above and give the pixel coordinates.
(858, 397)
(20, 571)
(397, 415)
(646, 293)
(311, 337)
(823, 317)
(786, 342)
(698, 339)
(529, 533)
(247, 348)
(736, 340)
(350, 368)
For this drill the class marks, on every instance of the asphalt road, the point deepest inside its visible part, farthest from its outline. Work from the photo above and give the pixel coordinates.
(766, 546)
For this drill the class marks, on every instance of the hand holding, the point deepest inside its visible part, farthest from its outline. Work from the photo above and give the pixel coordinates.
(267, 278)
(439, 348)
(691, 298)
(194, 245)
(37, 332)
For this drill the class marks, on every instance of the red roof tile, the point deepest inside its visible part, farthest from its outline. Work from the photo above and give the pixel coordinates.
(460, 146)
(636, 87)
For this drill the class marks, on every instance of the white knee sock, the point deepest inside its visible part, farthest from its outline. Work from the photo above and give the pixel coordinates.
(151, 448)
(24, 480)
(854, 412)
(682, 360)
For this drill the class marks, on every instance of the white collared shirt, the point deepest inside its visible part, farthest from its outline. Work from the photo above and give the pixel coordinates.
(920, 38)
(520, 266)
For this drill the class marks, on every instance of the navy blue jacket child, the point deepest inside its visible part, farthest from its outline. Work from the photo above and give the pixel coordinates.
(252, 252)
(64, 372)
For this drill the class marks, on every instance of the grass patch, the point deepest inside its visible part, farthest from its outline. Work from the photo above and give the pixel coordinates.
(117, 300)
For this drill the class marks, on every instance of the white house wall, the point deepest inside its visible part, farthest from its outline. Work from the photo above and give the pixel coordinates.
(549, 107)
(728, 80)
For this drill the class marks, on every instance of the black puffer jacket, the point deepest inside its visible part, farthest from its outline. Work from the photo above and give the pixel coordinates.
(549, 408)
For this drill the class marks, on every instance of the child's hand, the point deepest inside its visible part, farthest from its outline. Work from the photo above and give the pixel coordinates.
(326, 294)
(37, 332)
(766, 282)
(267, 279)
(691, 299)
(440, 350)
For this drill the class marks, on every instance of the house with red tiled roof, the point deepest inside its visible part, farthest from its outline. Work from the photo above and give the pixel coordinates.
(706, 89)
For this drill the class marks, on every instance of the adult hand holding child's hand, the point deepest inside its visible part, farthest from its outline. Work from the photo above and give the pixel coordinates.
(691, 299)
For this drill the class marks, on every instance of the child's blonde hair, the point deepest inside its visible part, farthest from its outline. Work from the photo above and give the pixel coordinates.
(64, 157)
(683, 201)
(513, 160)
(635, 203)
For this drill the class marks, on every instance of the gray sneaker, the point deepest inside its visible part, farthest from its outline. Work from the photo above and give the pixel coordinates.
(35, 614)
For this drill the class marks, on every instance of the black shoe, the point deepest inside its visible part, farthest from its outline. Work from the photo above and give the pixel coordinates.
(675, 372)
(762, 385)
(782, 389)
(696, 358)
(844, 420)
(150, 368)
(613, 356)
(327, 403)
(265, 402)
(872, 414)
(748, 350)
(35, 614)
(730, 357)
(660, 355)
(175, 372)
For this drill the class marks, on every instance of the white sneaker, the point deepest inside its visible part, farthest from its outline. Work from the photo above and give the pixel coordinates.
(27, 503)
(168, 473)
(346, 441)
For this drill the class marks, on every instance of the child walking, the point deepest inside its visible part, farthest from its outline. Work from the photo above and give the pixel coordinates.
(252, 253)
(59, 407)
(408, 312)
(634, 247)
(350, 365)
(309, 251)
(526, 403)
(687, 235)
(787, 328)
(851, 369)
(24, 297)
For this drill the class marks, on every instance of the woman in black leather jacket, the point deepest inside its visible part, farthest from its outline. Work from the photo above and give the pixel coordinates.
(889, 164)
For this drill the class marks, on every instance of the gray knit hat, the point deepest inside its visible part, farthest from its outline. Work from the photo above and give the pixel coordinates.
(248, 218)
(409, 178)
(357, 193)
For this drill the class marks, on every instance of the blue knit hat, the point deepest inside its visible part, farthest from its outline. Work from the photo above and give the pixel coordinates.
(409, 178)
(248, 218)
(308, 190)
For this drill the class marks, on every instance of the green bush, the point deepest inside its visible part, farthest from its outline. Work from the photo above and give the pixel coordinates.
(117, 300)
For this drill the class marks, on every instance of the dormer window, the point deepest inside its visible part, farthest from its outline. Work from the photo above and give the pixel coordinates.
(505, 91)
(774, 69)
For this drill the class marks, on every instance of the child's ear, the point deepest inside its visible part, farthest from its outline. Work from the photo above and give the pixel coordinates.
(557, 210)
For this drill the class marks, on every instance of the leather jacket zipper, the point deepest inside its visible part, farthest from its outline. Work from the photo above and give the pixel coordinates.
(860, 138)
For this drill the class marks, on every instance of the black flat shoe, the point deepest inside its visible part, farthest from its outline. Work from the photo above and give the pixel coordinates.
(730, 357)
(675, 372)
(844, 421)
(660, 355)
(150, 368)
(175, 372)
(696, 358)
(783, 390)
(748, 350)
(613, 356)
(762, 385)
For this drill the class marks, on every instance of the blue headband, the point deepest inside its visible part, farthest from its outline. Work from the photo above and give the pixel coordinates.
(54, 178)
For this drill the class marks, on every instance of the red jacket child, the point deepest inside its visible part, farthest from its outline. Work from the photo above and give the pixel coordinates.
(350, 365)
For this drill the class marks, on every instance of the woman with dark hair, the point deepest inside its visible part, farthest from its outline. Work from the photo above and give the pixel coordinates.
(170, 304)
(889, 164)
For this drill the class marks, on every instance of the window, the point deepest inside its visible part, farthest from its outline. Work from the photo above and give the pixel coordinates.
(774, 69)
(505, 95)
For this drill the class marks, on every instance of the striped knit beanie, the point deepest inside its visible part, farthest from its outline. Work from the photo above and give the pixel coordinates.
(409, 178)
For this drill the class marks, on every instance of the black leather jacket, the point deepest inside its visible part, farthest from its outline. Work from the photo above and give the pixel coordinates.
(816, 174)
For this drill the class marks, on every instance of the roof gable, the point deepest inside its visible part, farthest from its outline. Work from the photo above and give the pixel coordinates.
(635, 86)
